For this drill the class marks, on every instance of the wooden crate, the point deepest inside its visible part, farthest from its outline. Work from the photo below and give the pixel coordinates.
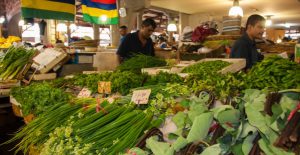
(236, 64)
(40, 77)
(16, 106)
(5, 86)
(48, 59)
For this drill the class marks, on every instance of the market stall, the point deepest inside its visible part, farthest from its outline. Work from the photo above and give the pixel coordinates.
(77, 97)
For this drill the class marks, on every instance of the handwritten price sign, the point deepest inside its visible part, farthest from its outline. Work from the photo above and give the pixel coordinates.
(104, 87)
(84, 93)
(141, 96)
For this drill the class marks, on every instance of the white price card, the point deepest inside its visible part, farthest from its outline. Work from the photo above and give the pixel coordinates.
(84, 93)
(141, 96)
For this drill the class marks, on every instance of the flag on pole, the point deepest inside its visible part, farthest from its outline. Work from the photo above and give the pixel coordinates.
(49, 9)
(100, 11)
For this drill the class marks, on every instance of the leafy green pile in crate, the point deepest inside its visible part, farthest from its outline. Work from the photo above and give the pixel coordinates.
(206, 67)
(274, 73)
(140, 61)
(38, 97)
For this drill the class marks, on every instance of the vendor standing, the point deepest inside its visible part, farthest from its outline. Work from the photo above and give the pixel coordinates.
(245, 46)
(138, 42)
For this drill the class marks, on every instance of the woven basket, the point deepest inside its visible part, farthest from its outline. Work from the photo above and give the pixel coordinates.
(17, 111)
(28, 118)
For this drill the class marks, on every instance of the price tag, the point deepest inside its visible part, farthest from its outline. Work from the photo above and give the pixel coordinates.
(104, 87)
(84, 93)
(141, 96)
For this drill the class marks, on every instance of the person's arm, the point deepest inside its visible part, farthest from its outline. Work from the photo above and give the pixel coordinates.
(123, 49)
(152, 50)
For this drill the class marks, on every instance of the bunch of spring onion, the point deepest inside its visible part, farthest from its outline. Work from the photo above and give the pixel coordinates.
(14, 61)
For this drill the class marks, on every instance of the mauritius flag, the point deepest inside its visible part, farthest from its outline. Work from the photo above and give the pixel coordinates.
(100, 11)
(49, 9)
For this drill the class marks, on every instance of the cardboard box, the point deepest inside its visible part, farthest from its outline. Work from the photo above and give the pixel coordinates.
(106, 61)
(48, 59)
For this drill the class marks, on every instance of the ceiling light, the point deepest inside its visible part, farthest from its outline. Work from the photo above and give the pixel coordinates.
(236, 10)
(103, 18)
(268, 21)
(172, 28)
(287, 25)
(2, 19)
(21, 22)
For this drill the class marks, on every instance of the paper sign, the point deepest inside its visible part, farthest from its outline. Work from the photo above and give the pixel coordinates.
(104, 87)
(84, 93)
(141, 96)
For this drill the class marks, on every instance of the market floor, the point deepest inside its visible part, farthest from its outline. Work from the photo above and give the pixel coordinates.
(9, 124)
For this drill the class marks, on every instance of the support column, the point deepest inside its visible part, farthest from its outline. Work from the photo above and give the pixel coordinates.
(115, 36)
(96, 32)
(183, 22)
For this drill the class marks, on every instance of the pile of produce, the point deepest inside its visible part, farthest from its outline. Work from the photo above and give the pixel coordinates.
(6, 43)
(222, 86)
(85, 127)
(14, 61)
(140, 61)
(241, 129)
(38, 98)
(121, 82)
(207, 67)
(274, 73)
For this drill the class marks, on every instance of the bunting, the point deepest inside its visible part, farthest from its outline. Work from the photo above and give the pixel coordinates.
(102, 12)
(49, 9)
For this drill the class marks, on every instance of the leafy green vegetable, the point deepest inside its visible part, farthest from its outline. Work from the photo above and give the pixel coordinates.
(200, 127)
(207, 67)
(274, 73)
(38, 98)
(140, 61)
(214, 149)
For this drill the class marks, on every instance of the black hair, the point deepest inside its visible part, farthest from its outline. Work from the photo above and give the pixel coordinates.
(123, 27)
(253, 19)
(149, 22)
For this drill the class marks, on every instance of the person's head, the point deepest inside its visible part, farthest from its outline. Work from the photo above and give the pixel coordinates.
(148, 27)
(123, 30)
(255, 26)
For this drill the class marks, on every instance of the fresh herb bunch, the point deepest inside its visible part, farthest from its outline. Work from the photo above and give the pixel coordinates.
(223, 86)
(38, 97)
(140, 61)
(121, 82)
(274, 73)
(164, 77)
(14, 61)
(207, 67)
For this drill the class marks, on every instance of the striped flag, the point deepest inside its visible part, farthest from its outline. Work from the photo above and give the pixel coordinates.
(49, 9)
(100, 11)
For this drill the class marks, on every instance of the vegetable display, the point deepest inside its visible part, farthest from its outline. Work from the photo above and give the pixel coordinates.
(37, 98)
(14, 61)
(274, 73)
(140, 61)
(205, 113)
(207, 67)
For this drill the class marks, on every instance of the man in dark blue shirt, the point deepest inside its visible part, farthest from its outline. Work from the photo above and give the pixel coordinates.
(138, 42)
(123, 33)
(245, 46)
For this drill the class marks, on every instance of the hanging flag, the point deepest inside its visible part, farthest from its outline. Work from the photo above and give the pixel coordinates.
(100, 11)
(49, 9)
